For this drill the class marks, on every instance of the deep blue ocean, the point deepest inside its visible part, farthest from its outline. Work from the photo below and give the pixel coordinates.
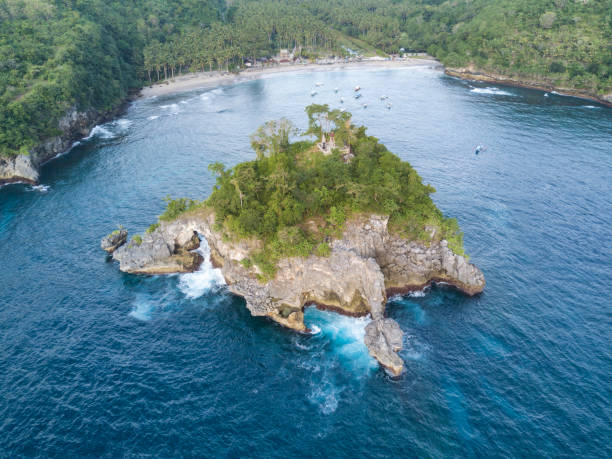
(94, 362)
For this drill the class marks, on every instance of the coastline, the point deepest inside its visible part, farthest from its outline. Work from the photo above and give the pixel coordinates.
(478, 75)
(191, 81)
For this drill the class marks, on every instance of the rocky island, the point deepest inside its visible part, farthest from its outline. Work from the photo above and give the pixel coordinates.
(341, 223)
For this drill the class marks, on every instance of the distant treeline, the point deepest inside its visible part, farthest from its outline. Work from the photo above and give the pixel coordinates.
(55, 54)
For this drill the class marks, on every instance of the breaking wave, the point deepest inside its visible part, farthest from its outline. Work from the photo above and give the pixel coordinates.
(492, 91)
(39, 188)
(197, 283)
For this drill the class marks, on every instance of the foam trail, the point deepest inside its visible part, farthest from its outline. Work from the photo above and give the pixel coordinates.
(142, 310)
(492, 91)
(325, 397)
(195, 284)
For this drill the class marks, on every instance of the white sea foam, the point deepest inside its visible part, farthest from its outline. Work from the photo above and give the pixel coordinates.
(195, 284)
(153, 117)
(345, 335)
(123, 123)
(142, 310)
(101, 132)
(589, 106)
(325, 397)
(491, 90)
(172, 108)
(419, 293)
(315, 330)
(40, 188)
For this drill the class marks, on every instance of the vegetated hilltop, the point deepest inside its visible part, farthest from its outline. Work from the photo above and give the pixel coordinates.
(296, 197)
(57, 55)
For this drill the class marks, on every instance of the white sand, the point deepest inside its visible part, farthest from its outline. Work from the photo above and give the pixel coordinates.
(193, 81)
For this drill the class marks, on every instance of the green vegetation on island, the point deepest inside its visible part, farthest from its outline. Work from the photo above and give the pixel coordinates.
(55, 54)
(296, 196)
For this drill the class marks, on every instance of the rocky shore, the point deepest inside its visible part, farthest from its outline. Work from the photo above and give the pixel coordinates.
(471, 73)
(74, 125)
(364, 267)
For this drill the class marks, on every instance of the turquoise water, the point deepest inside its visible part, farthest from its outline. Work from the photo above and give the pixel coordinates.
(96, 362)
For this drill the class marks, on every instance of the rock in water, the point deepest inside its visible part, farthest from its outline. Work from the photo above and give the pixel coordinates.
(383, 339)
(114, 240)
(152, 254)
(364, 266)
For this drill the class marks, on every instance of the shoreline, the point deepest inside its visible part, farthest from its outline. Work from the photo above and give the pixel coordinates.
(471, 74)
(193, 81)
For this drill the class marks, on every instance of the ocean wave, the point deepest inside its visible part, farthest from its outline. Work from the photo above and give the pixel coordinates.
(100, 132)
(172, 108)
(197, 283)
(492, 91)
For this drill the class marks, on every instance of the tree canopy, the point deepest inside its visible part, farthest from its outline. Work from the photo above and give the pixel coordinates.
(55, 54)
(295, 198)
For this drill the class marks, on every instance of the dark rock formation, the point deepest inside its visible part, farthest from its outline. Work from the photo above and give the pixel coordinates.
(114, 240)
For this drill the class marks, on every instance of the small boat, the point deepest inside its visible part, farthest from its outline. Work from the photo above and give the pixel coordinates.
(389, 106)
(342, 100)
(313, 93)
(357, 88)
(480, 148)
(365, 105)
(342, 110)
(384, 97)
(318, 83)
(357, 96)
(335, 89)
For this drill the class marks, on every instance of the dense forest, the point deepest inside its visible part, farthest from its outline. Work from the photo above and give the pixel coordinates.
(55, 54)
(295, 197)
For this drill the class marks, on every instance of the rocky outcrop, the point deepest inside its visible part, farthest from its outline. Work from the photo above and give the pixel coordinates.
(154, 254)
(74, 125)
(384, 339)
(364, 266)
(114, 240)
(475, 74)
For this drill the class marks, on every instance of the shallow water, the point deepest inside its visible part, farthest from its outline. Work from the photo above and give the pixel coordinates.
(96, 362)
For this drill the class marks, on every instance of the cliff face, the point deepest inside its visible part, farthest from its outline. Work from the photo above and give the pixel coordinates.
(74, 125)
(472, 73)
(364, 266)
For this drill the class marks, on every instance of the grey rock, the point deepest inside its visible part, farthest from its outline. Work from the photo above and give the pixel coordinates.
(364, 266)
(114, 240)
(383, 339)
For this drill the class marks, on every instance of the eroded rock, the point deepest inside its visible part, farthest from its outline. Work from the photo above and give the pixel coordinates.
(383, 339)
(114, 240)
(366, 265)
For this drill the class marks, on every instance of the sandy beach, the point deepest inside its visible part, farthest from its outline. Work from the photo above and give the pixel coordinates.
(193, 81)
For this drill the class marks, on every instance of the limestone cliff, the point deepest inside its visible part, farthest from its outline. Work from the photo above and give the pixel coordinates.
(364, 266)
